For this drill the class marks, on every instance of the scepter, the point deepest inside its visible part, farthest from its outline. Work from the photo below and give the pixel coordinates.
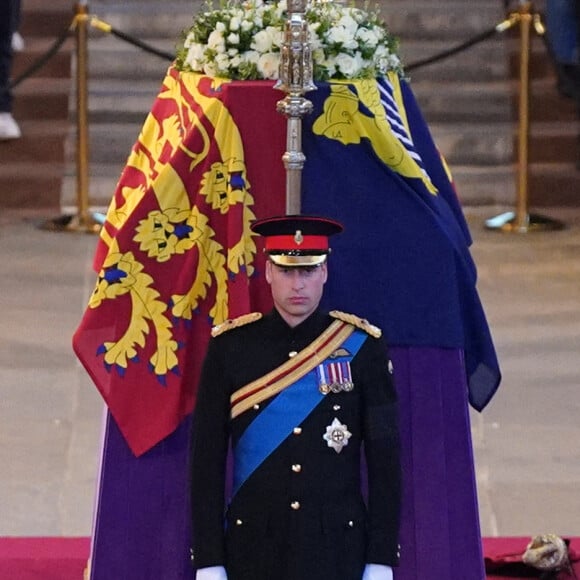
(295, 78)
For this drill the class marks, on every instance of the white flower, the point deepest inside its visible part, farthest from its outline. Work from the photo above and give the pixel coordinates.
(246, 25)
(262, 41)
(338, 35)
(367, 36)
(234, 42)
(216, 41)
(347, 64)
(268, 65)
(251, 56)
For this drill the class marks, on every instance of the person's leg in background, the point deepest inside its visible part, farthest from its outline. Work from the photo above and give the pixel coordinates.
(17, 40)
(8, 127)
(563, 35)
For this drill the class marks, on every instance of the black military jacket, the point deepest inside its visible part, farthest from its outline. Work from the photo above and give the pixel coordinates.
(301, 515)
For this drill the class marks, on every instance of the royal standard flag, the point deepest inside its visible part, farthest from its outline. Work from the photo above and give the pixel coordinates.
(176, 254)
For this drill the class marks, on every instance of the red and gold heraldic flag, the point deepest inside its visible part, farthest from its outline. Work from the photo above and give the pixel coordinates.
(176, 254)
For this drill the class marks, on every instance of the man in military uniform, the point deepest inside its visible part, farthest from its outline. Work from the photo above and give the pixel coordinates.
(296, 393)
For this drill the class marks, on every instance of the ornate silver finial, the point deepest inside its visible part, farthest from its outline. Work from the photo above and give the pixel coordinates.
(295, 78)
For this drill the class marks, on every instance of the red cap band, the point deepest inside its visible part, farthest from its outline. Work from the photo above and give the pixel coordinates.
(297, 243)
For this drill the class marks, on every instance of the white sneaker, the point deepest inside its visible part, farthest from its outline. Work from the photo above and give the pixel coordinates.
(17, 42)
(9, 128)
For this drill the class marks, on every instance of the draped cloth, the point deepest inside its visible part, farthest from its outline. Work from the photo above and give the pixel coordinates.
(176, 256)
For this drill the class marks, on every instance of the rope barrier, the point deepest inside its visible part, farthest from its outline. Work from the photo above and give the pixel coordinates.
(105, 27)
(454, 50)
(40, 62)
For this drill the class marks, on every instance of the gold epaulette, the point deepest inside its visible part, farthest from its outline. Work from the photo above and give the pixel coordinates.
(361, 323)
(235, 323)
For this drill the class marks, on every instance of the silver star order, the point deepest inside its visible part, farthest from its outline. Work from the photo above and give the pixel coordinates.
(337, 435)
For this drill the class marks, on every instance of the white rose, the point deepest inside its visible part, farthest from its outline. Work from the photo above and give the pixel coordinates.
(222, 61)
(246, 25)
(268, 65)
(340, 35)
(262, 41)
(251, 56)
(220, 27)
(233, 51)
(235, 23)
(349, 24)
(216, 41)
(195, 57)
(367, 36)
(233, 38)
(210, 69)
(236, 61)
(347, 64)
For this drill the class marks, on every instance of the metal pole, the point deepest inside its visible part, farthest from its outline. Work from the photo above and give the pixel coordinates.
(84, 221)
(522, 221)
(82, 153)
(522, 217)
(295, 78)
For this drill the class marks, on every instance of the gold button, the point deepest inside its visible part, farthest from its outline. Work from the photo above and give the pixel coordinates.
(295, 505)
(239, 522)
(297, 468)
(297, 430)
(292, 353)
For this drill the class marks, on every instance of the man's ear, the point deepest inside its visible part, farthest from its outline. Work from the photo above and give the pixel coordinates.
(268, 271)
(325, 272)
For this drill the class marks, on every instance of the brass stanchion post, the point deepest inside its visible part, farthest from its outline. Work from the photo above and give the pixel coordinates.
(522, 221)
(83, 221)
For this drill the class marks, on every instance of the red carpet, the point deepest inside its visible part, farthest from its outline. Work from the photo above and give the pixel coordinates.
(43, 558)
(66, 558)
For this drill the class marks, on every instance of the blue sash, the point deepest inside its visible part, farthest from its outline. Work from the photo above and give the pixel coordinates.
(288, 410)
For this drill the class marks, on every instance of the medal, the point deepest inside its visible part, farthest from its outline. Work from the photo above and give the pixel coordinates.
(334, 377)
(337, 435)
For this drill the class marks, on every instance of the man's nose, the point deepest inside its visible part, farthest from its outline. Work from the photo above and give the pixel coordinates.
(297, 279)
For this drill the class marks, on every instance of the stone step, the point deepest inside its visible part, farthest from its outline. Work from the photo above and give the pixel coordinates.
(458, 102)
(47, 19)
(32, 185)
(553, 142)
(42, 141)
(147, 20)
(59, 66)
(554, 184)
(465, 65)
(42, 98)
(453, 20)
(111, 58)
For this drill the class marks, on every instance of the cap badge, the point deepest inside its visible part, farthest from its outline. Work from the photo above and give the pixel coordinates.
(337, 435)
(298, 237)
